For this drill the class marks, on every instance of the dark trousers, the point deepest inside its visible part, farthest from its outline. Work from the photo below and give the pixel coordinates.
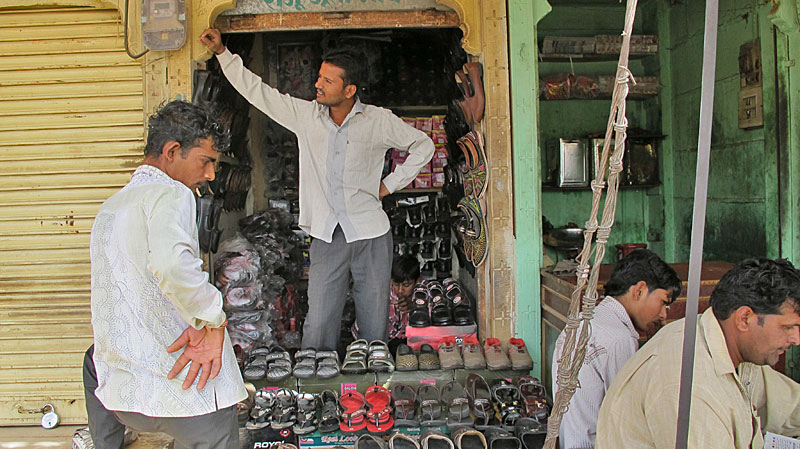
(212, 430)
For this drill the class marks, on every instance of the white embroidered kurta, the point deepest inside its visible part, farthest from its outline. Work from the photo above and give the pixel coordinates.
(147, 287)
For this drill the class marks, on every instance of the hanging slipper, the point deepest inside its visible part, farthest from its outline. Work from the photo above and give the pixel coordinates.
(430, 406)
(405, 404)
(330, 411)
(477, 225)
(496, 359)
(354, 412)
(455, 398)
(440, 311)
(379, 409)
(367, 441)
(518, 353)
(306, 414)
(406, 359)
(449, 356)
(479, 169)
(428, 360)
(379, 358)
(480, 397)
(467, 438)
(473, 356)
(465, 168)
(419, 316)
(403, 441)
(476, 101)
(327, 364)
(459, 304)
(435, 439)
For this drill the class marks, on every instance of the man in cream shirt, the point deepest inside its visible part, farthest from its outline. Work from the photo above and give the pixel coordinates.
(752, 319)
(342, 143)
(151, 298)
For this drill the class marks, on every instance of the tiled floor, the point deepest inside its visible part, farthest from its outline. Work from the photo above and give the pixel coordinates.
(61, 438)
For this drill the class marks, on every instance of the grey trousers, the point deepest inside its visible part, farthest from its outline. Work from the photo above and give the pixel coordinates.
(369, 263)
(213, 430)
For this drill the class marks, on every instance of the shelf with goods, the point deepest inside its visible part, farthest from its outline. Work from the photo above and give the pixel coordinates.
(578, 118)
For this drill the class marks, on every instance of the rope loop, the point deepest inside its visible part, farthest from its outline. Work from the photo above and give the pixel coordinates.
(602, 233)
(624, 75)
(597, 186)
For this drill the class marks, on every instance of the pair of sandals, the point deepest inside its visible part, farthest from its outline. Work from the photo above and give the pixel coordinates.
(509, 403)
(361, 357)
(439, 305)
(459, 304)
(274, 364)
(534, 398)
(372, 410)
(274, 408)
(310, 362)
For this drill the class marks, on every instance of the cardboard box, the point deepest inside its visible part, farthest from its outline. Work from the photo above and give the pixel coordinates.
(416, 378)
(267, 438)
(340, 383)
(437, 180)
(411, 121)
(423, 181)
(318, 440)
(438, 161)
(425, 124)
(439, 137)
(433, 335)
(437, 122)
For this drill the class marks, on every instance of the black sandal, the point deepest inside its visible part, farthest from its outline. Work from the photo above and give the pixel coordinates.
(460, 306)
(419, 315)
(440, 311)
(509, 403)
(329, 417)
(481, 397)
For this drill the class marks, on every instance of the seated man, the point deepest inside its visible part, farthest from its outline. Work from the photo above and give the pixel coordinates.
(405, 275)
(637, 295)
(753, 318)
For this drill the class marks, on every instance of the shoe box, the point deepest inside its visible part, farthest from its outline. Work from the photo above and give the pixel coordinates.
(319, 440)
(438, 377)
(341, 383)
(433, 335)
(268, 438)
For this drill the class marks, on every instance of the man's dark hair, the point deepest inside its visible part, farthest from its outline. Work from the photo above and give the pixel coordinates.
(185, 123)
(759, 283)
(643, 265)
(349, 62)
(405, 268)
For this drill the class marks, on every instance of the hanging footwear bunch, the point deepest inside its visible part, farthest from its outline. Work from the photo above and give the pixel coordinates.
(473, 171)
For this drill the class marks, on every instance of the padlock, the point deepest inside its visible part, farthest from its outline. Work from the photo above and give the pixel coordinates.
(50, 419)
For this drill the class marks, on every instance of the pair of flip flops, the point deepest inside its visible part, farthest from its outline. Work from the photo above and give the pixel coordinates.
(372, 411)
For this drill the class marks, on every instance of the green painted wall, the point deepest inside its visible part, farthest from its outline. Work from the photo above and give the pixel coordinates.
(640, 212)
(741, 209)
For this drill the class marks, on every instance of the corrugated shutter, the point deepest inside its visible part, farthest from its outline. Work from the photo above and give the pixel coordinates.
(70, 135)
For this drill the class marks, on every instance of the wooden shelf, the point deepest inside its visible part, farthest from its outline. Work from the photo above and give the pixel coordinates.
(416, 108)
(589, 57)
(549, 188)
(413, 191)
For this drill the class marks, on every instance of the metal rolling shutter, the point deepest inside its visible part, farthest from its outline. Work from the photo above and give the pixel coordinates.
(70, 135)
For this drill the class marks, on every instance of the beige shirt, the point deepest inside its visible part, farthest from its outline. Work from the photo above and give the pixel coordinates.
(729, 409)
(148, 285)
(340, 165)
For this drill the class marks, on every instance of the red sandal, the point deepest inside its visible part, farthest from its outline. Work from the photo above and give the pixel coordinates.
(379, 409)
(354, 414)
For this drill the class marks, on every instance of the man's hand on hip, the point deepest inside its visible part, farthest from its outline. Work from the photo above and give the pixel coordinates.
(203, 351)
(212, 39)
(383, 191)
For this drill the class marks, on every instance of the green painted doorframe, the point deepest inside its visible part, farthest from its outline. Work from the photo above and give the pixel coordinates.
(523, 15)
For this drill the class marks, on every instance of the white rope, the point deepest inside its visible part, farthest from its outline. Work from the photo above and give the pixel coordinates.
(584, 297)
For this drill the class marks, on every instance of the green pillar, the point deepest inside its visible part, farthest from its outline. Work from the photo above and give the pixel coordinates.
(522, 18)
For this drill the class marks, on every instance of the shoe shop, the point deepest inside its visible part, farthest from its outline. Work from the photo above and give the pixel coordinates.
(530, 151)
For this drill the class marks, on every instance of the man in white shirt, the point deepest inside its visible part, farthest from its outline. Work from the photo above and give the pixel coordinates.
(150, 298)
(640, 289)
(342, 143)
